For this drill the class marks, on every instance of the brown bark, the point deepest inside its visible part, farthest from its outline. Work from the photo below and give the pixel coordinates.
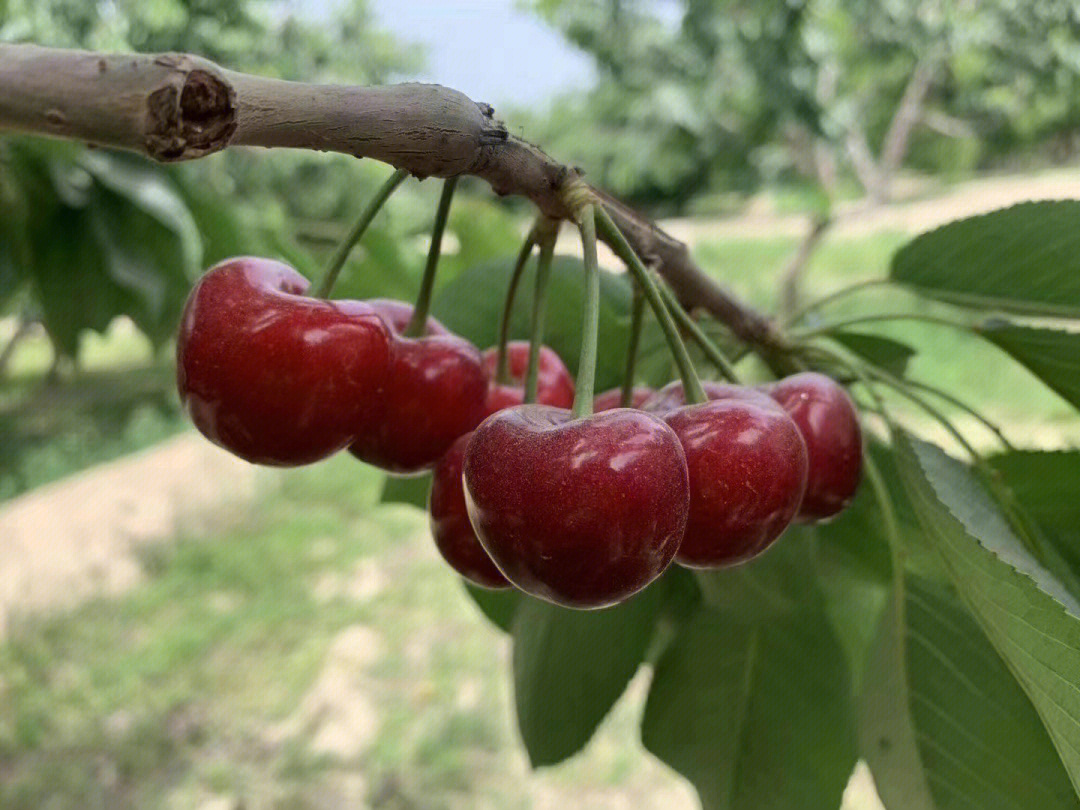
(176, 107)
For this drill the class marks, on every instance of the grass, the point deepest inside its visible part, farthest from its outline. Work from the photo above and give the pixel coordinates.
(179, 690)
(120, 399)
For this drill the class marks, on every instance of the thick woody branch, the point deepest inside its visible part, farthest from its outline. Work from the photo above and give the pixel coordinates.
(173, 107)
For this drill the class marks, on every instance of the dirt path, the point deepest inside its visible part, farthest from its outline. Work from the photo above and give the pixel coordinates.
(79, 537)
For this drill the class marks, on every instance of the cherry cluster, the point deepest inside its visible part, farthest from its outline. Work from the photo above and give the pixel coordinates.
(281, 378)
(583, 512)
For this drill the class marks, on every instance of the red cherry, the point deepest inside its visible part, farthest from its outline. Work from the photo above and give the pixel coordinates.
(747, 466)
(829, 423)
(554, 385)
(454, 535)
(580, 512)
(436, 391)
(397, 315)
(609, 400)
(272, 375)
(673, 395)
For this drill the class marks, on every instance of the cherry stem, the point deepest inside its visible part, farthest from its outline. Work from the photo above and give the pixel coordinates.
(892, 529)
(590, 320)
(843, 292)
(898, 383)
(333, 269)
(502, 367)
(617, 242)
(427, 284)
(712, 351)
(888, 316)
(536, 338)
(637, 319)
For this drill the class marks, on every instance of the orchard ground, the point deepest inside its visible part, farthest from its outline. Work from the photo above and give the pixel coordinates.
(284, 640)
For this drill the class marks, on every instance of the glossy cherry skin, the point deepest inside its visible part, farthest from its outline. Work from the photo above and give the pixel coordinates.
(673, 395)
(583, 513)
(450, 526)
(397, 315)
(554, 385)
(747, 467)
(829, 423)
(436, 391)
(272, 375)
(612, 398)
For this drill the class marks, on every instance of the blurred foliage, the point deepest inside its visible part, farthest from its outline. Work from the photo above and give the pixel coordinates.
(140, 233)
(698, 95)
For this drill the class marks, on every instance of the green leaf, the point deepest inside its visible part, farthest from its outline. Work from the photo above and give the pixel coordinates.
(853, 567)
(146, 259)
(1052, 355)
(1021, 259)
(147, 188)
(570, 666)
(72, 281)
(943, 723)
(410, 489)
(1030, 619)
(499, 607)
(756, 713)
(886, 353)
(1047, 485)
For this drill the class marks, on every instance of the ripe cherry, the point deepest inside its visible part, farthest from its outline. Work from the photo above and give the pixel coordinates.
(611, 399)
(829, 423)
(747, 468)
(454, 535)
(435, 391)
(554, 385)
(580, 512)
(272, 375)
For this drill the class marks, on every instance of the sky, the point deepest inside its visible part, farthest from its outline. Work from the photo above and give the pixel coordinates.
(488, 49)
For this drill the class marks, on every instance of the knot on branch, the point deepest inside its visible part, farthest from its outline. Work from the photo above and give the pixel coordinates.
(193, 112)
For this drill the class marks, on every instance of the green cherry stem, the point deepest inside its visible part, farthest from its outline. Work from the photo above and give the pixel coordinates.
(938, 320)
(536, 338)
(613, 236)
(843, 292)
(427, 284)
(637, 320)
(502, 367)
(897, 383)
(337, 261)
(590, 320)
(712, 351)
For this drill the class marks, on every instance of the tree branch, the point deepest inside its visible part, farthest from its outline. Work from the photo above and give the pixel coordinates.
(907, 115)
(173, 107)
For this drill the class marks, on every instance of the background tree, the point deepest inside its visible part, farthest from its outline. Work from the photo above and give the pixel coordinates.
(697, 95)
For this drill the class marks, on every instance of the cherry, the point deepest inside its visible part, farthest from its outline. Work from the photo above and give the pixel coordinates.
(829, 423)
(272, 375)
(554, 385)
(454, 535)
(673, 396)
(611, 399)
(747, 467)
(397, 315)
(436, 391)
(580, 512)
